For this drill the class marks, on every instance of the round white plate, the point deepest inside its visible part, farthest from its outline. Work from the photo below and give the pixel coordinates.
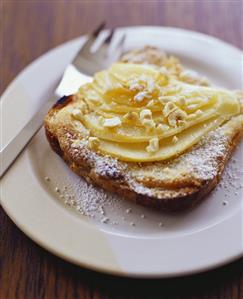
(132, 240)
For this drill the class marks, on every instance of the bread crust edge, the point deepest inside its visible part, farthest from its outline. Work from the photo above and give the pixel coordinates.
(121, 187)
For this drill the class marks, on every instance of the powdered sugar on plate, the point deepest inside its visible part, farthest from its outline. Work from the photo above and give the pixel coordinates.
(113, 212)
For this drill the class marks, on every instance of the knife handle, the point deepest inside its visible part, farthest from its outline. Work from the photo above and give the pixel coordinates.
(12, 150)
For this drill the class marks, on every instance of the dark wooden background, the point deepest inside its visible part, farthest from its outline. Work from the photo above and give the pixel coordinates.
(30, 28)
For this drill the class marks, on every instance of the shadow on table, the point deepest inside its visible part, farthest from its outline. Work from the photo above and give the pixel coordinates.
(223, 281)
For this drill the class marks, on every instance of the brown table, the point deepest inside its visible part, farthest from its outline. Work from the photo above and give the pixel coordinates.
(30, 28)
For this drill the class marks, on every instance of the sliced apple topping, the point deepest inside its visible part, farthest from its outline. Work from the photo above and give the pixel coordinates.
(137, 112)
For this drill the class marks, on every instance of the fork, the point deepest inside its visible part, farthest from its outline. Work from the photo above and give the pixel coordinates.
(78, 72)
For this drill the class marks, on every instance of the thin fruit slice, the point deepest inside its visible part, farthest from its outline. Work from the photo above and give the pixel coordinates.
(134, 132)
(125, 72)
(168, 148)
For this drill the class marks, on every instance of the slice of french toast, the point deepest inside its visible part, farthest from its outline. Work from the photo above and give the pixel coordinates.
(172, 184)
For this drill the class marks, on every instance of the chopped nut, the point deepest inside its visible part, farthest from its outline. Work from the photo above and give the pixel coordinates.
(168, 108)
(161, 128)
(77, 114)
(153, 145)
(172, 120)
(199, 112)
(150, 103)
(134, 85)
(150, 85)
(174, 139)
(149, 124)
(145, 114)
(94, 143)
(112, 122)
(175, 116)
(140, 96)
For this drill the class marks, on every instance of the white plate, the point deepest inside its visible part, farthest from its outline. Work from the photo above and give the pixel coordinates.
(205, 237)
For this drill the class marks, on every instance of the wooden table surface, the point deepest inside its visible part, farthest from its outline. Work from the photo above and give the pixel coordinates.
(30, 28)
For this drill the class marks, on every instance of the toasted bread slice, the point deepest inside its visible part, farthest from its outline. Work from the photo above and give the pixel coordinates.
(171, 185)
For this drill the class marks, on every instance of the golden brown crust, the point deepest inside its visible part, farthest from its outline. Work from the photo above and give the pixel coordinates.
(171, 185)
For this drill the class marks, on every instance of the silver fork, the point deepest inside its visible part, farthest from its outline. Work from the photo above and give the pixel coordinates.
(79, 72)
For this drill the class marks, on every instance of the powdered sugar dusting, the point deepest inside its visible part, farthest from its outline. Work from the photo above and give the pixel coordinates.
(204, 157)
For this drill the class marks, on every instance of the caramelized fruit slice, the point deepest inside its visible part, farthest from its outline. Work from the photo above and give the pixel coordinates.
(167, 149)
(133, 133)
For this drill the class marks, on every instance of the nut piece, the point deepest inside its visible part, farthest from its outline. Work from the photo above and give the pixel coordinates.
(150, 103)
(161, 128)
(172, 120)
(146, 119)
(94, 143)
(145, 114)
(149, 124)
(135, 85)
(112, 122)
(175, 116)
(168, 108)
(150, 85)
(77, 114)
(153, 145)
(174, 139)
(140, 96)
(199, 112)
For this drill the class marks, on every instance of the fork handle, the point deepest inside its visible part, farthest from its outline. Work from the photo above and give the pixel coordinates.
(12, 150)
